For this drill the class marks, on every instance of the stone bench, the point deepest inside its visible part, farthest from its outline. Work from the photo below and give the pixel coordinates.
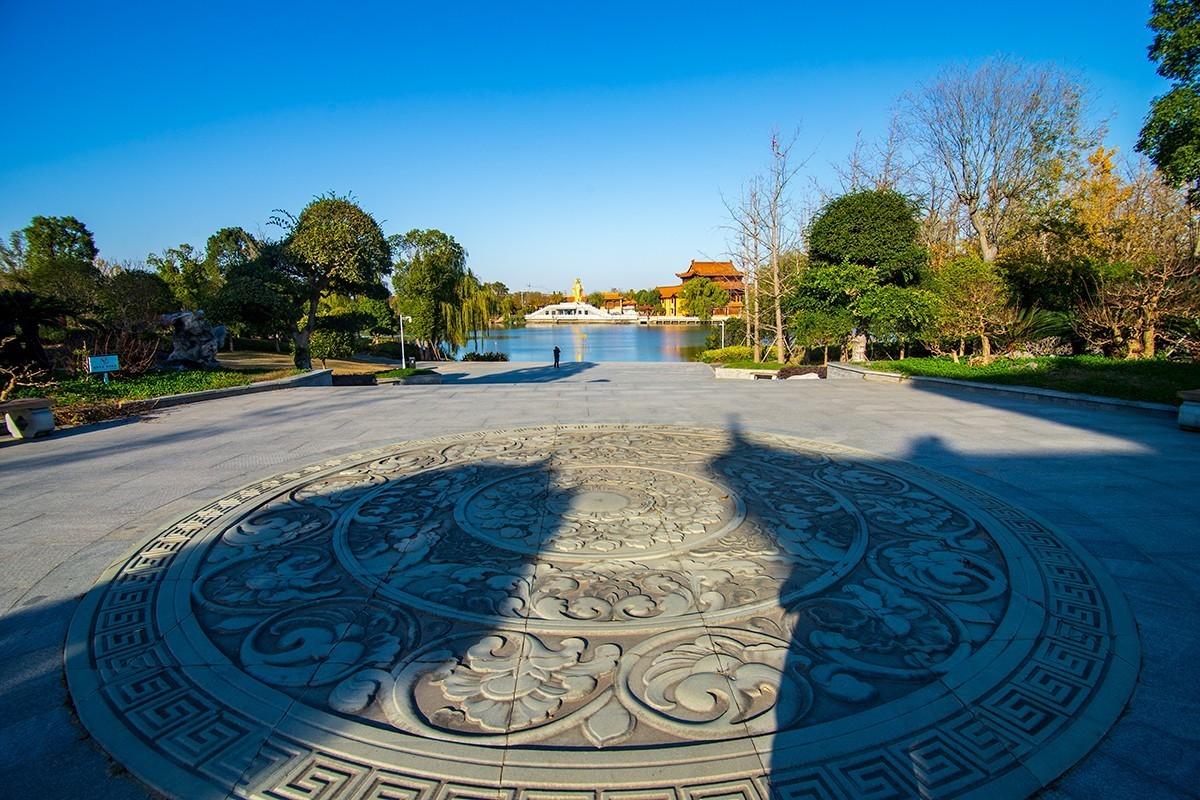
(29, 417)
(1189, 410)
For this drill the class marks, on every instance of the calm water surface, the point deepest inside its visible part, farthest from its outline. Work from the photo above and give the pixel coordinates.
(581, 342)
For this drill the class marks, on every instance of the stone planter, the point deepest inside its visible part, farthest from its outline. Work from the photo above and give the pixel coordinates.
(29, 417)
(414, 380)
(1189, 410)
(725, 373)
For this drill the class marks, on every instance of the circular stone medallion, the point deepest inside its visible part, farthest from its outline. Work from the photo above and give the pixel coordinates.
(622, 609)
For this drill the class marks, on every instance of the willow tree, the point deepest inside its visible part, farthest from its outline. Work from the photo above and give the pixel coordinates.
(470, 312)
(334, 246)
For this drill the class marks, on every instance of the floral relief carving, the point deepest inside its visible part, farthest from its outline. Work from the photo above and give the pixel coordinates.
(622, 586)
(514, 681)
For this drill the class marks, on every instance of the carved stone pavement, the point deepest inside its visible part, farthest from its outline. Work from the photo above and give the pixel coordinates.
(603, 611)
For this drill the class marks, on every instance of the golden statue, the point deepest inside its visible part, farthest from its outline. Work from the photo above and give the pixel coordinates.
(577, 291)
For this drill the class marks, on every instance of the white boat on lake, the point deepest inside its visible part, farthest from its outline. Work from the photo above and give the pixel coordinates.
(580, 312)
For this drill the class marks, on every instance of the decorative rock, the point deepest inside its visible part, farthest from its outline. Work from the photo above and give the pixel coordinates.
(196, 342)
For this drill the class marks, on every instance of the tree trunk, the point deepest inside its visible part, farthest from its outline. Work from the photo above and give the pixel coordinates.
(987, 248)
(302, 358)
(780, 342)
(985, 347)
(757, 333)
(1148, 342)
(858, 346)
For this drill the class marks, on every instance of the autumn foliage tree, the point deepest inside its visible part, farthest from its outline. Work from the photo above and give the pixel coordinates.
(1149, 279)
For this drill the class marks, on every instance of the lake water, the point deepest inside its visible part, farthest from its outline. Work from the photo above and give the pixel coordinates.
(582, 342)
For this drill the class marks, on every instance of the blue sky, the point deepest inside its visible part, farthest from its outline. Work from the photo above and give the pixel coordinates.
(552, 140)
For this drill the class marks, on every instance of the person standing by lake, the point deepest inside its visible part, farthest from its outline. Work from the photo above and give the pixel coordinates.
(557, 353)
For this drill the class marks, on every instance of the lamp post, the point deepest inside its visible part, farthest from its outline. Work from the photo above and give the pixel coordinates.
(403, 359)
(722, 334)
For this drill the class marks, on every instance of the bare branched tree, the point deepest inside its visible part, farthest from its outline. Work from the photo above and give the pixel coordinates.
(765, 220)
(882, 164)
(1004, 135)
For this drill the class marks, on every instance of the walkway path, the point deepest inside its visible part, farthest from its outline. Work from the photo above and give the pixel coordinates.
(1121, 486)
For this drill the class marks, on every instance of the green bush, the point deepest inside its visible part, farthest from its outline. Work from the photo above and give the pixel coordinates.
(485, 357)
(1149, 380)
(389, 349)
(331, 344)
(724, 354)
(752, 364)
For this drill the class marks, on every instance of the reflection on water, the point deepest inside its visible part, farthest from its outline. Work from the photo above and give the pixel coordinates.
(595, 342)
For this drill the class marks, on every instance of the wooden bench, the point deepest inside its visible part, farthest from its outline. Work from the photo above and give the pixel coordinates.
(1189, 410)
(28, 417)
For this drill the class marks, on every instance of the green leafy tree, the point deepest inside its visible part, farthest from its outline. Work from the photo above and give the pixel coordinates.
(332, 246)
(230, 247)
(194, 280)
(821, 327)
(260, 297)
(829, 297)
(596, 299)
(701, 296)
(898, 314)
(648, 299)
(973, 302)
(326, 344)
(859, 244)
(877, 229)
(1171, 133)
(429, 271)
(59, 256)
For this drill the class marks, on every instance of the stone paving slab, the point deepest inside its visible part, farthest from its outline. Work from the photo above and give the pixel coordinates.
(1041, 460)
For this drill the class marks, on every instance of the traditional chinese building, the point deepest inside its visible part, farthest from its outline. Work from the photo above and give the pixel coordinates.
(721, 273)
(670, 299)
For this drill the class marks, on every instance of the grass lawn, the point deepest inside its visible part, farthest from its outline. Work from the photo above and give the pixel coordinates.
(406, 372)
(89, 399)
(1149, 381)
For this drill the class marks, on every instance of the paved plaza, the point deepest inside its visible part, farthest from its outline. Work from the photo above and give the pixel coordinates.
(603, 581)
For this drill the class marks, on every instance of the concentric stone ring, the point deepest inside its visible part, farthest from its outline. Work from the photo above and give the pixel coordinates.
(603, 611)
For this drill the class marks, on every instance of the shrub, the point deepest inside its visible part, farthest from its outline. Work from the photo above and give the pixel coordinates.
(390, 349)
(725, 354)
(485, 357)
(331, 344)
